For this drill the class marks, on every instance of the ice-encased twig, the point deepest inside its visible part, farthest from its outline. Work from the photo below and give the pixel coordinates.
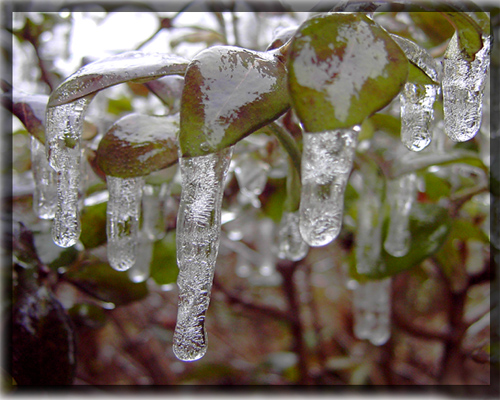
(326, 164)
(401, 193)
(45, 194)
(291, 246)
(64, 125)
(122, 223)
(372, 311)
(463, 86)
(198, 236)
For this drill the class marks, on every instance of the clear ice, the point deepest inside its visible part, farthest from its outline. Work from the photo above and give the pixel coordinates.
(122, 223)
(64, 125)
(463, 86)
(154, 201)
(45, 194)
(372, 310)
(326, 164)
(417, 112)
(291, 246)
(198, 236)
(401, 193)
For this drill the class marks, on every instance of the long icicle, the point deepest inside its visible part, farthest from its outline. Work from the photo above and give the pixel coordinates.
(45, 194)
(326, 164)
(401, 194)
(64, 125)
(122, 223)
(463, 86)
(198, 236)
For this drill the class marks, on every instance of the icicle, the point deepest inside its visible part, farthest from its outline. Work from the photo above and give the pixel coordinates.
(372, 311)
(417, 112)
(265, 236)
(139, 272)
(154, 200)
(45, 194)
(291, 246)
(326, 164)
(64, 125)
(122, 222)
(251, 175)
(369, 221)
(401, 194)
(198, 235)
(463, 85)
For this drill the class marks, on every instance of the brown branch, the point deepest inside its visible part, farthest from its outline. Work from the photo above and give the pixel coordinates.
(402, 323)
(258, 308)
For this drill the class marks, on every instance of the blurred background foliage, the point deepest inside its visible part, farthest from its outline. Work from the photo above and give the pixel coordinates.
(271, 322)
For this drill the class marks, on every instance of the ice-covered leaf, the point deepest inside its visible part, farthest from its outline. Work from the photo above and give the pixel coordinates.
(470, 28)
(42, 342)
(417, 162)
(30, 109)
(429, 226)
(343, 67)
(135, 66)
(103, 282)
(137, 145)
(229, 92)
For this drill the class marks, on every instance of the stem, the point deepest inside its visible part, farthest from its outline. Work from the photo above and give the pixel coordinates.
(288, 143)
(287, 270)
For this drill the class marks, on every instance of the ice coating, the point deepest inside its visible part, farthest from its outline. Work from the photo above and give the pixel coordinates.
(291, 246)
(64, 126)
(418, 56)
(122, 223)
(372, 311)
(349, 72)
(463, 86)
(326, 164)
(417, 112)
(401, 193)
(198, 236)
(45, 194)
(154, 199)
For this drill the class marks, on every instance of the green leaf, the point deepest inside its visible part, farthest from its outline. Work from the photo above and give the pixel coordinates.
(429, 227)
(51, 254)
(137, 145)
(93, 223)
(43, 348)
(134, 66)
(89, 315)
(30, 109)
(342, 68)
(119, 106)
(434, 25)
(229, 92)
(164, 269)
(103, 282)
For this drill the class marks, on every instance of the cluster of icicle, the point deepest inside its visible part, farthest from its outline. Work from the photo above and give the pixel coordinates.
(326, 166)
